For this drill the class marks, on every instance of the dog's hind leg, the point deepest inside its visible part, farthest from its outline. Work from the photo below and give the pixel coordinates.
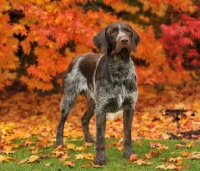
(85, 120)
(67, 102)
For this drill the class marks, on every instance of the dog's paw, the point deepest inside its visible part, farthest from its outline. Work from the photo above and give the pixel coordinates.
(128, 153)
(59, 143)
(100, 160)
(89, 140)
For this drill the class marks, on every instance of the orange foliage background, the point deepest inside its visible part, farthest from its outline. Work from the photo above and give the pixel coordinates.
(51, 33)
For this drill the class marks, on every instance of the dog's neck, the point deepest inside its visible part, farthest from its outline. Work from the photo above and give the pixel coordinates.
(118, 65)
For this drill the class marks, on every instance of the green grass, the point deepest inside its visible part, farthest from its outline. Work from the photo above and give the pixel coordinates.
(115, 160)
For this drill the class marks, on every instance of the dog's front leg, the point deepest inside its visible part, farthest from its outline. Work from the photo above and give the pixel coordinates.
(127, 119)
(100, 138)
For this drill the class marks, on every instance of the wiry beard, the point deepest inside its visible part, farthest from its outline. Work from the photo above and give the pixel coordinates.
(120, 48)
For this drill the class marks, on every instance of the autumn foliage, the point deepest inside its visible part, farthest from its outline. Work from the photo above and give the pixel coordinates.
(38, 39)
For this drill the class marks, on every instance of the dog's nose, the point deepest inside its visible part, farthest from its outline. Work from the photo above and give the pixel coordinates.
(124, 40)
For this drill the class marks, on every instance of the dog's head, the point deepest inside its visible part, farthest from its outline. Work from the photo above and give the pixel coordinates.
(116, 37)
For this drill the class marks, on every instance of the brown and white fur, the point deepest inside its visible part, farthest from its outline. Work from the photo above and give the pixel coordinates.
(108, 82)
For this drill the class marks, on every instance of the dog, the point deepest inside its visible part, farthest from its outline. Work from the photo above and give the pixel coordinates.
(109, 83)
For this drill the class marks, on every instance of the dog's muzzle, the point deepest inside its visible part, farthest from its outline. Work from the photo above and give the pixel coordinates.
(123, 42)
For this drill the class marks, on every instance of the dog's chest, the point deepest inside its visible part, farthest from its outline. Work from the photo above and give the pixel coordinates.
(112, 97)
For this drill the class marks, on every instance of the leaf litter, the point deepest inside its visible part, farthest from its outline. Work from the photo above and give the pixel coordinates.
(25, 115)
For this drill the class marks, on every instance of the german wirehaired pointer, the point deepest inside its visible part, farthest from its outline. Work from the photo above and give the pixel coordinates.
(108, 82)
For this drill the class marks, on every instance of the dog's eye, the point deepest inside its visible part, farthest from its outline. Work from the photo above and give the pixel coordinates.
(115, 30)
(128, 31)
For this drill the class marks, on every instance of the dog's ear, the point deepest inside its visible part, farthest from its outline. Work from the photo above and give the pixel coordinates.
(100, 41)
(135, 40)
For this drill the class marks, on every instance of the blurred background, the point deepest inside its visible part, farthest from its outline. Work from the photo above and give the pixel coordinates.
(39, 38)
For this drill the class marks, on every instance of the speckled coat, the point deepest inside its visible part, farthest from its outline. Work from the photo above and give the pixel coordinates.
(109, 83)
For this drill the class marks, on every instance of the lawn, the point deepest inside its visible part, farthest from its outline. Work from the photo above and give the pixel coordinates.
(151, 154)
(28, 126)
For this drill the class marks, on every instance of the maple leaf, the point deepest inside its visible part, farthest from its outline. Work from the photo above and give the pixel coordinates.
(69, 163)
(120, 148)
(166, 167)
(64, 156)
(179, 146)
(71, 146)
(185, 154)
(58, 151)
(88, 156)
(133, 157)
(80, 156)
(33, 158)
(194, 155)
(81, 148)
(5, 158)
(191, 144)
(139, 161)
(7, 149)
(177, 160)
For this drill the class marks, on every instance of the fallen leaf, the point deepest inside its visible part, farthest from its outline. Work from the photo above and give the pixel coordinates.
(177, 160)
(7, 149)
(133, 157)
(179, 146)
(86, 165)
(23, 161)
(185, 154)
(48, 164)
(80, 156)
(89, 156)
(33, 159)
(69, 163)
(86, 144)
(120, 142)
(191, 144)
(64, 156)
(71, 146)
(161, 167)
(5, 158)
(58, 151)
(81, 148)
(194, 155)
(95, 166)
(139, 143)
(154, 145)
(120, 148)
(139, 161)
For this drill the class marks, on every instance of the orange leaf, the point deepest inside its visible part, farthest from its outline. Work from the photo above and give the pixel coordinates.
(69, 163)
(133, 157)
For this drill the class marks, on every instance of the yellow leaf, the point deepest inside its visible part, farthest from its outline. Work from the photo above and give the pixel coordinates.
(48, 164)
(8, 149)
(33, 159)
(192, 144)
(89, 156)
(120, 148)
(81, 148)
(86, 144)
(79, 156)
(71, 146)
(5, 158)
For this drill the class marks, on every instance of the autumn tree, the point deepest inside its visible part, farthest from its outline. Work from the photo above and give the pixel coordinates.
(40, 38)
